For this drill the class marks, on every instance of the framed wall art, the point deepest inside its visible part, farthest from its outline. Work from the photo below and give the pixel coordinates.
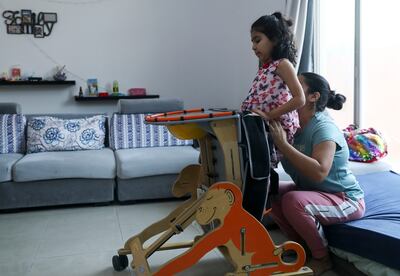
(26, 21)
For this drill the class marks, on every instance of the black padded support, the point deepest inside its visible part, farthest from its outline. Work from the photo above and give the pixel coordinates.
(257, 159)
(274, 182)
(257, 143)
(255, 196)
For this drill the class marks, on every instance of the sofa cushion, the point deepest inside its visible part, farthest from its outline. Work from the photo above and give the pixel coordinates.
(65, 164)
(7, 161)
(140, 162)
(55, 134)
(129, 131)
(12, 133)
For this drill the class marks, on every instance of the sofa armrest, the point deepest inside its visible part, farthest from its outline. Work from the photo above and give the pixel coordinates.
(10, 108)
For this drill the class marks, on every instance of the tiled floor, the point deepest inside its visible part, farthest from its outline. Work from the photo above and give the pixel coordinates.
(82, 240)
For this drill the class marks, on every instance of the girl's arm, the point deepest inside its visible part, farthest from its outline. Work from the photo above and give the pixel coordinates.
(286, 71)
(315, 167)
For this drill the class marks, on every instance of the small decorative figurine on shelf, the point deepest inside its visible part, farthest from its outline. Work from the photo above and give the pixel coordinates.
(16, 73)
(60, 74)
(80, 91)
(93, 88)
(4, 76)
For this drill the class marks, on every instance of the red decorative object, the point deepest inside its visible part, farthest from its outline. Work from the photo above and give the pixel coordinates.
(137, 91)
(103, 94)
(15, 73)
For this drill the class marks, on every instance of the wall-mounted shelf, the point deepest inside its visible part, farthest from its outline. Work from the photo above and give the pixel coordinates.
(111, 98)
(42, 82)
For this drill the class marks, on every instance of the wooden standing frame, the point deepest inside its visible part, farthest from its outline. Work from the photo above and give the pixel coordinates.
(240, 237)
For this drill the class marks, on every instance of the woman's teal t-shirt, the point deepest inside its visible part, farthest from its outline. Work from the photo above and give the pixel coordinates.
(340, 179)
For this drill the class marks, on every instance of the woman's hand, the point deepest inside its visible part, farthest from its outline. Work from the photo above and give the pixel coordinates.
(278, 133)
(264, 115)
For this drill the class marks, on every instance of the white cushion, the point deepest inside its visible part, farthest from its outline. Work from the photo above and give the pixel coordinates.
(93, 164)
(140, 162)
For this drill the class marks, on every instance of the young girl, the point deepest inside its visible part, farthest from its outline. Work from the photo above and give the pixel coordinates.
(276, 90)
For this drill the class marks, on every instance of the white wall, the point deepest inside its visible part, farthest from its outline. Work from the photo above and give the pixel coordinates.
(197, 50)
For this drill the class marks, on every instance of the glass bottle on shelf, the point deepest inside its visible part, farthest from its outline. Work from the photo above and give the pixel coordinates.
(115, 87)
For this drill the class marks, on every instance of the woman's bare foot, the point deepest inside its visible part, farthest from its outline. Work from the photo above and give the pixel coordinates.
(320, 266)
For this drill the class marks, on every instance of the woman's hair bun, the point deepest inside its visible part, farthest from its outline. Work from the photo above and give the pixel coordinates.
(335, 101)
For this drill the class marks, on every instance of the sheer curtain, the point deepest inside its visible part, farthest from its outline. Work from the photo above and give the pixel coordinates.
(301, 12)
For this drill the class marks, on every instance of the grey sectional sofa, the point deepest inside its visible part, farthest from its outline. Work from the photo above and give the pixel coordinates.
(106, 175)
(92, 176)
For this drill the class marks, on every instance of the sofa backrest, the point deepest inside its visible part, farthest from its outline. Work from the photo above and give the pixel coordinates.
(64, 115)
(141, 106)
(10, 108)
(128, 129)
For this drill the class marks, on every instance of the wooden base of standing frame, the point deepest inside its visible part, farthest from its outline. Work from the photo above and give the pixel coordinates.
(241, 238)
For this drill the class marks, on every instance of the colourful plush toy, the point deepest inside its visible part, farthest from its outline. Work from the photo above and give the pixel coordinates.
(365, 145)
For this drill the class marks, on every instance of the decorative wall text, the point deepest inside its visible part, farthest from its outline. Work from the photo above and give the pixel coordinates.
(27, 22)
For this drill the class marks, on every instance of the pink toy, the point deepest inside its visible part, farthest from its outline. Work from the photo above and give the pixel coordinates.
(137, 91)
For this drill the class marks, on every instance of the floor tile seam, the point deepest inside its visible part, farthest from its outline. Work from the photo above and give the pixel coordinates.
(88, 227)
(35, 255)
(40, 241)
(75, 254)
(86, 239)
(42, 236)
(119, 226)
(30, 268)
(7, 261)
(97, 253)
(83, 220)
(111, 217)
(87, 250)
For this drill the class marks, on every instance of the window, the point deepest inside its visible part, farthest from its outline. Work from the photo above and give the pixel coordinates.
(336, 53)
(379, 63)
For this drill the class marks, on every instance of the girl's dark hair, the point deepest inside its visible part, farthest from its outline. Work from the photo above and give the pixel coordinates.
(328, 98)
(276, 28)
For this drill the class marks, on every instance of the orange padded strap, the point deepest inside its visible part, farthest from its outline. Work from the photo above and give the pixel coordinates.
(184, 115)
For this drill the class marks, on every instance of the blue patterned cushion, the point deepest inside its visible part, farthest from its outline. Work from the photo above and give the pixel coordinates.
(55, 134)
(12, 133)
(129, 131)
